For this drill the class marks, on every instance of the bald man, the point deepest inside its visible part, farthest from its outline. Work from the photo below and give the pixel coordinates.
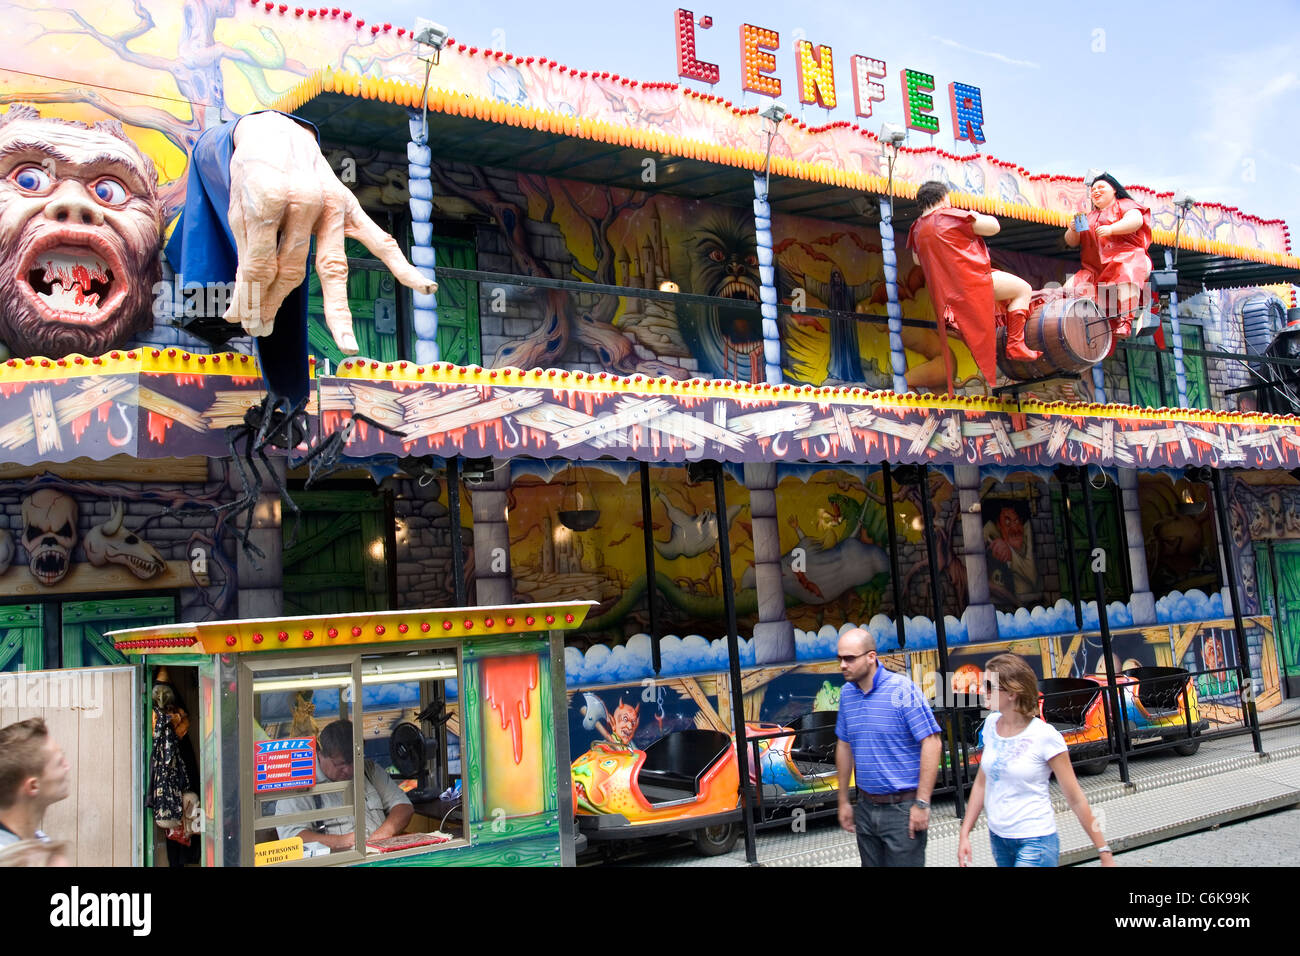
(889, 740)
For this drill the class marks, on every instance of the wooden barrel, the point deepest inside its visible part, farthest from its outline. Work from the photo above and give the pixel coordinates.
(1071, 333)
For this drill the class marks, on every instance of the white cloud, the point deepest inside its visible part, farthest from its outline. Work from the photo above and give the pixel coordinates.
(1239, 111)
(1000, 57)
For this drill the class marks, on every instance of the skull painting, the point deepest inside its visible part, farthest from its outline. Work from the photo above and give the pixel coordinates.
(110, 543)
(49, 534)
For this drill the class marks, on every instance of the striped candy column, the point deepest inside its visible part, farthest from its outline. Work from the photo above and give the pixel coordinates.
(425, 307)
(767, 281)
(893, 309)
(1180, 370)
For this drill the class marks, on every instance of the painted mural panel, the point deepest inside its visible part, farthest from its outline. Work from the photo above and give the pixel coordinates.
(1020, 543)
(554, 557)
(834, 541)
(1178, 527)
(555, 228)
(72, 537)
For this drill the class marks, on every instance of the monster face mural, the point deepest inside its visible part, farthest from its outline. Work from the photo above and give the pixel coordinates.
(724, 262)
(80, 223)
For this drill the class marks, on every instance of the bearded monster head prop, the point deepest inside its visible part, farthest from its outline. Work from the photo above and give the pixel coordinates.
(80, 224)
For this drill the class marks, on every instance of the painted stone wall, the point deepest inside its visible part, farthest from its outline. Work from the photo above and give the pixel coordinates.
(111, 538)
(424, 555)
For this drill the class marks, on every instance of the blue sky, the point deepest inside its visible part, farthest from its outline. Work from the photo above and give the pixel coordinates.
(1194, 95)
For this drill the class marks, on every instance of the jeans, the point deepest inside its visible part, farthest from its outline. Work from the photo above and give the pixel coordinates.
(882, 834)
(1029, 851)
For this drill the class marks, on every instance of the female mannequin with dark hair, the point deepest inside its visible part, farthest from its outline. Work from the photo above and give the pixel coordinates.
(1112, 242)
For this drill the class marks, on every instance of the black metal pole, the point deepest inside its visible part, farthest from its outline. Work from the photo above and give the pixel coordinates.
(390, 548)
(651, 585)
(457, 538)
(1067, 509)
(895, 574)
(733, 659)
(1103, 620)
(1121, 527)
(944, 687)
(1244, 678)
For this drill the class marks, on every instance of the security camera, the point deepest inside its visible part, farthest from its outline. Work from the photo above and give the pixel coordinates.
(776, 112)
(1183, 201)
(430, 33)
(892, 134)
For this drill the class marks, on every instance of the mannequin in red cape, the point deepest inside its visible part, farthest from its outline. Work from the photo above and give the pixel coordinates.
(949, 244)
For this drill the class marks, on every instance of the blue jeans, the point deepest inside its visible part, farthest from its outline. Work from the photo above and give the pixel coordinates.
(1030, 851)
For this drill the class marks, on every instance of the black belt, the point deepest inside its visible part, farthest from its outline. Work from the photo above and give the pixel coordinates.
(901, 796)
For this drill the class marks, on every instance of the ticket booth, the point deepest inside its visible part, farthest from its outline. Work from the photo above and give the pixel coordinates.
(414, 737)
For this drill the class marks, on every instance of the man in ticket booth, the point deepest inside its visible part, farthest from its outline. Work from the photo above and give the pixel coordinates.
(388, 810)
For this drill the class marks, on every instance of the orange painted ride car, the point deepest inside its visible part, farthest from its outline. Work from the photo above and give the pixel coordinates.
(687, 780)
(1159, 704)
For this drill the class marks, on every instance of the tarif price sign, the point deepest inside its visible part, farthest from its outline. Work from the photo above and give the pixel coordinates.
(287, 764)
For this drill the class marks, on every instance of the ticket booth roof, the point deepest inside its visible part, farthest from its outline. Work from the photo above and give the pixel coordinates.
(351, 630)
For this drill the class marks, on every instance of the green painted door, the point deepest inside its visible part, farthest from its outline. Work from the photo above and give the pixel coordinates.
(338, 563)
(458, 321)
(22, 637)
(86, 622)
(373, 297)
(1285, 566)
(1116, 579)
(1144, 385)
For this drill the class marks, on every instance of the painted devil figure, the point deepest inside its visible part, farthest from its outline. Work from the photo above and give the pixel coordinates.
(80, 224)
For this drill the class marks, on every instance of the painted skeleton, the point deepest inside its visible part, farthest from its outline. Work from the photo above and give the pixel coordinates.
(49, 534)
(110, 543)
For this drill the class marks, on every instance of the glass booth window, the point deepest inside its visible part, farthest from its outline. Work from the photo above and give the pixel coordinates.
(329, 761)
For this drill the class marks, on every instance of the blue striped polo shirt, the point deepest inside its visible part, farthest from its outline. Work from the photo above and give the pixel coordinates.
(885, 728)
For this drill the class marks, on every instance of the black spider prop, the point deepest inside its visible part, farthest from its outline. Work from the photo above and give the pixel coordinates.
(278, 423)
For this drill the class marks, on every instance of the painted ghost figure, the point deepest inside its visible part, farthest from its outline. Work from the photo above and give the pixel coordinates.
(49, 534)
(80, 225)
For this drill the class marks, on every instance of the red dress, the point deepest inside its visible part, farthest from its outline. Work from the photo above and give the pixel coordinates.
(959, 276)
(1115, 259)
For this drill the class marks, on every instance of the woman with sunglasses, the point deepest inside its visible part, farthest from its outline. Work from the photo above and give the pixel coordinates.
(1021, 751)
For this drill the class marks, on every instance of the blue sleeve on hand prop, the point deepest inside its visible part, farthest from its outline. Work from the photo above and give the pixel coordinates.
(202, 250)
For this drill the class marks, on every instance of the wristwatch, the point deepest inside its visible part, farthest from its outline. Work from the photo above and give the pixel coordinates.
(923, 804)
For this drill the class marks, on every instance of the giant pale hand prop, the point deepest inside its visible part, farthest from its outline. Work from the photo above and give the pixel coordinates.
(282, 193)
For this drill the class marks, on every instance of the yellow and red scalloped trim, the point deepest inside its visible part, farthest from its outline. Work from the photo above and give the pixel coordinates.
(353, 629)
(238, 365)
(445, 373)
(146, 360)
